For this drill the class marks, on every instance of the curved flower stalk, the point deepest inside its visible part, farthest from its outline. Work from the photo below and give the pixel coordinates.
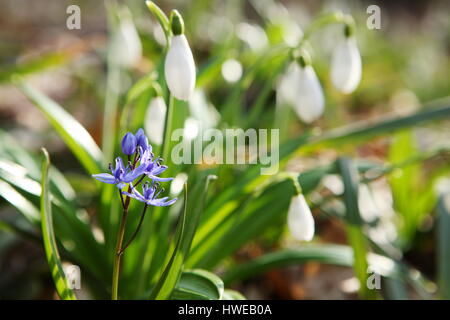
(346, 64)
(179, 66)
(141, 164)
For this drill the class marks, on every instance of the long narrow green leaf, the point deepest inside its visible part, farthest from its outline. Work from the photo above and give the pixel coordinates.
(444, 245)
(160, 16)
(40, 63)
(71, 131)
(172, 272)
(331, 254)
(366, 129)
(232, 295)
(355, 234)
(338, 255)
(51, 249)
(197, 198)
(28, 210)
(198, 285)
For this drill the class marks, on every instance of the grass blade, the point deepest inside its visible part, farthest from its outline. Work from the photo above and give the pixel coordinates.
(444, 245)
(355, 235)
(51, 250)
(71, 131)
(160, 16)
(198, 285)
(172, 272)
(338, 255)
(232, 295)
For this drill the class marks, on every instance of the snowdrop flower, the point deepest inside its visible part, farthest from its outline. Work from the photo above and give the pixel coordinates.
(300, 220)
(300, 88)
(287, 86)
(310, 101)
(179, 67)
(366, 203)
(154, 120)
(346, 64)
(126, 46)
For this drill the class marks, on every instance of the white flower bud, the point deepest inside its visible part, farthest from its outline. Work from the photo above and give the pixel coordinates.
(300, 220)
(309, 104)
(179, 68)
(154, 120)
(346, 66)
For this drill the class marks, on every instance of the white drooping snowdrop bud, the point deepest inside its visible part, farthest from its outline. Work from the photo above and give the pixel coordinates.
(126, 47)
(287, 86)
(154, 120)
(300, 219)
(179, 66)
(310, 101)
(346, 65)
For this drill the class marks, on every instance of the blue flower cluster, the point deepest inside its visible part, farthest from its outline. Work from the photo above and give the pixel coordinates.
(141, 163)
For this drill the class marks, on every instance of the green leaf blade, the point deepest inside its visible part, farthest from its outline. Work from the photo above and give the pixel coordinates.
(51, 249)
(71, 131)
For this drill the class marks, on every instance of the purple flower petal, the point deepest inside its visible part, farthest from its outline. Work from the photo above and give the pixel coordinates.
(104, 177)
(129, 144)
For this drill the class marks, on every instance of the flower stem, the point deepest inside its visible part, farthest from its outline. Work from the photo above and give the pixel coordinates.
(135, 232)
(118, 251)
(167, 129)
(325, 20)
(118, 255)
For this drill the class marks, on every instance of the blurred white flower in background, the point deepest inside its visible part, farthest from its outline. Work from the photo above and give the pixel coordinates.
(287, 86)
(253, 35)
(366, 203)
(300, 219)
(300, 88)
(200, 108)
(191, 129)
(154, 120)
(177, 184)
(346, 66)
(126, 47)
(179, 68)
(231, 70)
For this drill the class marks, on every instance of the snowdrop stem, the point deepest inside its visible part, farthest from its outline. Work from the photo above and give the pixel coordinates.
(325, 20)
(297, 187)
(165, 148)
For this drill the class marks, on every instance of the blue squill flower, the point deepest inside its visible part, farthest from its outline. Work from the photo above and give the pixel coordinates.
(142, 140)
(153, 168)
(121, 175)
(129, 144)
(150, 195)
